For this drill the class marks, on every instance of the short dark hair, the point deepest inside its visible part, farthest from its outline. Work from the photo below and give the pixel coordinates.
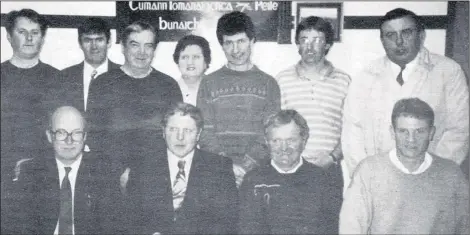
(400, 13)
(319, 24)
(32, 15)
(413, 107)
(189, 40)
(137, 27)
(284, 117)
(94, 25)
(233, 23)
(184, 109)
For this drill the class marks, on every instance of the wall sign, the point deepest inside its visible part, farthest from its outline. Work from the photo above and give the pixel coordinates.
(175, 19)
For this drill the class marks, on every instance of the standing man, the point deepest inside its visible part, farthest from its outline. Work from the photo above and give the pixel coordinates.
(126, 105)
(63, 191)
(179, 189)
(289, 195)
(407, 70)
(316, 89)
(236, 98)
(408, 190)
(94, 39)
(26, 84)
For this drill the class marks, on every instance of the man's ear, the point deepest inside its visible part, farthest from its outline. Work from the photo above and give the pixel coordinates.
(392, 132)
(49, 136)
(9, 37)
(432, 132)
(84, 136)
(422, 37)
(198, 135)
(327, 46)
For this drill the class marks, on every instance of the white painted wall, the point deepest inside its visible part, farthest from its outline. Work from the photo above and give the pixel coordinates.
(354, 51)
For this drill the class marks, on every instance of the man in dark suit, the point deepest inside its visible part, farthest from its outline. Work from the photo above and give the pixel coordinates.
(179, 189)
(94, 38)
(62, 193)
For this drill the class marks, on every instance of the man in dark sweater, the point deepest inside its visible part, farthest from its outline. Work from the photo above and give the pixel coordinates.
(236, 98)
(126, 105)
(289, 195)
(26, 86)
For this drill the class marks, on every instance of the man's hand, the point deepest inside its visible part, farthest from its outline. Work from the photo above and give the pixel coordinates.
(239, 172)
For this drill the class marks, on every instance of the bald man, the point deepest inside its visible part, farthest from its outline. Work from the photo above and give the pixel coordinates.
(62, 191)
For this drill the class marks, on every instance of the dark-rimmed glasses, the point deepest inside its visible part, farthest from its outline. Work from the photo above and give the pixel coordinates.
(61, 134)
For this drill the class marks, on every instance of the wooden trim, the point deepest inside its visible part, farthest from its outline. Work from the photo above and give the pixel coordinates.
(69, 21)
(451, 11)
(373, 22)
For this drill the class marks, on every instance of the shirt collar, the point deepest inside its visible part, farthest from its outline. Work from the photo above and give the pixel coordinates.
(324, 72)
(397, 163)
(173, 159)
(101, 69)
(74, 165)
(293, 170)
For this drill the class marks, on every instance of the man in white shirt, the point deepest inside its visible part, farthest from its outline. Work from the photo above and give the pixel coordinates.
(94, 38)
(407, 70)
(407, 190)
(178, 188)
(61, 192)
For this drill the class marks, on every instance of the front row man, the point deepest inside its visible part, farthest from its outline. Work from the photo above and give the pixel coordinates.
(407, 190)
(289, 195)
(61, 192)
(179, 189)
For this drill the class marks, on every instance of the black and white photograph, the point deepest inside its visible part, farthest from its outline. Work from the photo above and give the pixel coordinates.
(234, 117)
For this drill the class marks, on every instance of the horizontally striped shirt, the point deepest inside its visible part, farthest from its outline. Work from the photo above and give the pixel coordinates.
(319, 99)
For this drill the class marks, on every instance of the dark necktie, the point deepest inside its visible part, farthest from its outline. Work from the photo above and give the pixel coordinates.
(93, 74)
(179, 186)
(65, 216)
(400, 76)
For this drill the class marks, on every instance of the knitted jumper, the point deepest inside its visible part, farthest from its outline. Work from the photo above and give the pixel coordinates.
(381, 199)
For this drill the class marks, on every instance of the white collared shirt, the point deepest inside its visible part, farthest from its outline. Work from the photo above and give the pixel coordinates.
(173, 164)
(72, 178)
(189, 95)
(87, 71)
(288, 171)
(422, 168)
(407, 71)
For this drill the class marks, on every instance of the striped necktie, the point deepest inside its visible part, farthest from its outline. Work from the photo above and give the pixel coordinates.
(179, 186)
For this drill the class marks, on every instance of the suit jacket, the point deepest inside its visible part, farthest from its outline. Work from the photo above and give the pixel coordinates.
(209, 207)
(72, 85)
(39, 201)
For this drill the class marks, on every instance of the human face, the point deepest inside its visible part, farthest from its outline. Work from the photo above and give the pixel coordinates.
(412, 137)
(181, 134)
(312, 46)
(191, 62)
(401, 39)
(286, 145)
(139, 49)
(26, 38)
(237, 49)
(69, 120)
(95, 48)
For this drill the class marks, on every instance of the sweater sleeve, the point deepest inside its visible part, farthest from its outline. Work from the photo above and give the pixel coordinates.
(356, 211)
(454, 140)
(250, 213)
(208, 141)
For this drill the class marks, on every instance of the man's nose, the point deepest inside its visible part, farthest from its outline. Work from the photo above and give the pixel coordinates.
(236, 48)
(180, 135)
(411, 137)
(399, 40)
(68, 140)
(29, 36)
(284, 146)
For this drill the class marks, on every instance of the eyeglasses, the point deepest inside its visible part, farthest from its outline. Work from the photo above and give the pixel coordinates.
(406, 34)
(315, 40)
(62, 134)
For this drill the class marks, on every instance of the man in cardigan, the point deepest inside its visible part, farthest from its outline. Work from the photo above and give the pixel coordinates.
(289, 195)
(407, 190)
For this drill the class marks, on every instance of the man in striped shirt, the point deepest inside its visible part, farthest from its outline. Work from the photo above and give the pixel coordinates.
(317, 90)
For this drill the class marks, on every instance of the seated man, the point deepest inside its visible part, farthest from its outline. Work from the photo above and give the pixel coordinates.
(179, 189)
(407, 190)
(289, 195)
(62, 193)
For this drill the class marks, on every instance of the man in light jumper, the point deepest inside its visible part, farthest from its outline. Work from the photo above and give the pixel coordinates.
(407, 70)
(407, 190)
(236, 98)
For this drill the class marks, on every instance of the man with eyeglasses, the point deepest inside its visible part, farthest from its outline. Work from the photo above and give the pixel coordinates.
(407, 70)
(64, 191)
(316, 89)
